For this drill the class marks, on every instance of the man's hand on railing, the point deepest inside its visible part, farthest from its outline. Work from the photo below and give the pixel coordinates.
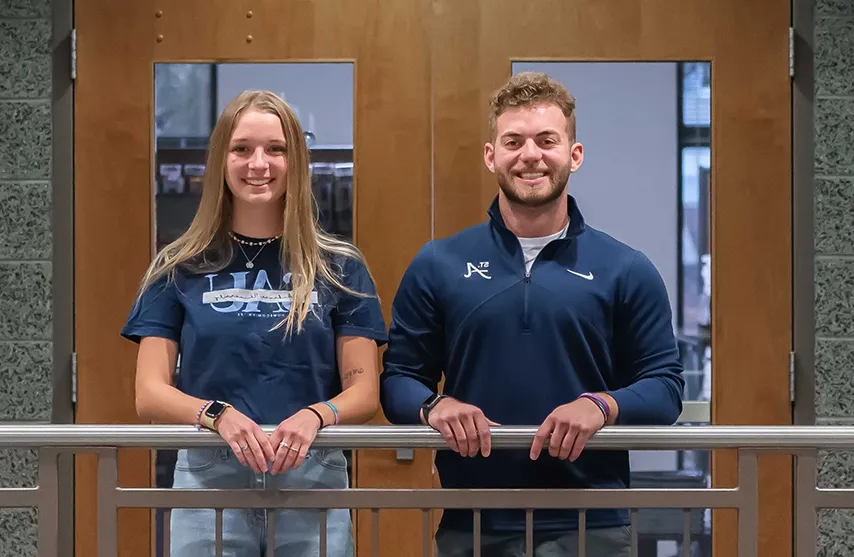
(292, 439)
(464, 427)
(568, 428)
(246, 438)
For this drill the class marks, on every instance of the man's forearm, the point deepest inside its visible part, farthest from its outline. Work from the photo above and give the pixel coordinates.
(401, 397)
(649, 401)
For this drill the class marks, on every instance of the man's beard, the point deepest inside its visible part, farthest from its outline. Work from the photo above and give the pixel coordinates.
(534, 198)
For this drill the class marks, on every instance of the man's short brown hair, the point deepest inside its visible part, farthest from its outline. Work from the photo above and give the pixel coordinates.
(531, 89)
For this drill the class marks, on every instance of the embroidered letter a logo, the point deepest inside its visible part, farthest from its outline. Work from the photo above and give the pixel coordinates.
(482, 269)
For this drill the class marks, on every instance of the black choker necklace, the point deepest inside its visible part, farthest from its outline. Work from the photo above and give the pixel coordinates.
(240, 240)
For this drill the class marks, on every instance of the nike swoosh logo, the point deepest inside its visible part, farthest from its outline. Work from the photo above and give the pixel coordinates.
(588, 276)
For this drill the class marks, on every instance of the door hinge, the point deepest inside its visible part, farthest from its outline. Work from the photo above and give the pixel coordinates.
(74, 378)
(791, 52)
(73, 54)
(791, 377)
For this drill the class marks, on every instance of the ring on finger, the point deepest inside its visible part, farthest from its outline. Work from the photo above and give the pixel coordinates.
(244, 446)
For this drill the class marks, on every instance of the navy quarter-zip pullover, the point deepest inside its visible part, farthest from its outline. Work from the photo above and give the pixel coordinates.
(592, 315)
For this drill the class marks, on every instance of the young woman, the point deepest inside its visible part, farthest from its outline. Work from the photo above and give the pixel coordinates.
(275, 322)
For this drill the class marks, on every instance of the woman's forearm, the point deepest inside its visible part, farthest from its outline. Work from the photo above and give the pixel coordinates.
(356, 405)
(164, 404)
(156, 399)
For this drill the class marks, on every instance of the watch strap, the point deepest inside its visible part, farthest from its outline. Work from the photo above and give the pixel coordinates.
(429, 404)
(208, 421)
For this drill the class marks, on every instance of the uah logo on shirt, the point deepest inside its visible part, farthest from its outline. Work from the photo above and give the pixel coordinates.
(481, 269)
(241, 299)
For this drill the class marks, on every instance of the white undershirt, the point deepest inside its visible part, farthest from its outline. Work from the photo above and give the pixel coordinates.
(531, 247)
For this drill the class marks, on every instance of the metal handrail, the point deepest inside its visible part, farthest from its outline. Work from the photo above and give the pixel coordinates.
(802, 442)
(772, 438)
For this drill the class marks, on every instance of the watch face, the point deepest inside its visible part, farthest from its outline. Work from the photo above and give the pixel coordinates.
(433, 399)
(215, 409)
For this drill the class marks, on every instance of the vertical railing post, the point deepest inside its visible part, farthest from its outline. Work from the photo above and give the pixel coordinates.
(48, 497)
(748, 509)
(806, 482)
(108, 482)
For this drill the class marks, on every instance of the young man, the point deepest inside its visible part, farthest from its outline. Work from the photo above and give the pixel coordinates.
(534, 318)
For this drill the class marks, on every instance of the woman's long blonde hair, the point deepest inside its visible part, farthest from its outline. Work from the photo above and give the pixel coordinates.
(307, 252)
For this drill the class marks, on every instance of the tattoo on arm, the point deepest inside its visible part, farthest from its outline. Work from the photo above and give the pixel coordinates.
(353, 373)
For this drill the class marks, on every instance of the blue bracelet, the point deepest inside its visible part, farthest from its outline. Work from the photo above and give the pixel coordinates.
(334, 410)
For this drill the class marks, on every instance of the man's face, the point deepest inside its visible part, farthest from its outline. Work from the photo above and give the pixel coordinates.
(533, 155)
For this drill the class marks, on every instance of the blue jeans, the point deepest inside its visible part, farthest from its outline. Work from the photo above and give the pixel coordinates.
(600, 542)
(244, 531)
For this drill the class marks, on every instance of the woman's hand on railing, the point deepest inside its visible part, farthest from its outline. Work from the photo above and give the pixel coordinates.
(250, 444)
(292, 439)
(464, 426)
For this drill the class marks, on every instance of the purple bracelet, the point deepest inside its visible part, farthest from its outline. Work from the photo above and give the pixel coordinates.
(600, 402)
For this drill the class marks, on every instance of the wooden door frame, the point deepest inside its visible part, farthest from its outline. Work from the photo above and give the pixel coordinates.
(118, 43)
(747, 43)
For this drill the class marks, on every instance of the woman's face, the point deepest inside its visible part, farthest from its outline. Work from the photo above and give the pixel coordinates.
(256, 165)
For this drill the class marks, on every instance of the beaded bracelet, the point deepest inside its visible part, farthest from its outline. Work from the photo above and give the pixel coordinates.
(199, 414)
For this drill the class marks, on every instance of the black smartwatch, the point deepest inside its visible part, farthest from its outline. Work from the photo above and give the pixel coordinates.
(429, 404)
(212, 414)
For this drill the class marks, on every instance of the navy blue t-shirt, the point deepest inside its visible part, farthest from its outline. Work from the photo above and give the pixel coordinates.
(223, 323)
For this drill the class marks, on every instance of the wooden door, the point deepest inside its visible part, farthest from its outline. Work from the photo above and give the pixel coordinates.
(423, 72)
(475, 44)
(118, 44)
